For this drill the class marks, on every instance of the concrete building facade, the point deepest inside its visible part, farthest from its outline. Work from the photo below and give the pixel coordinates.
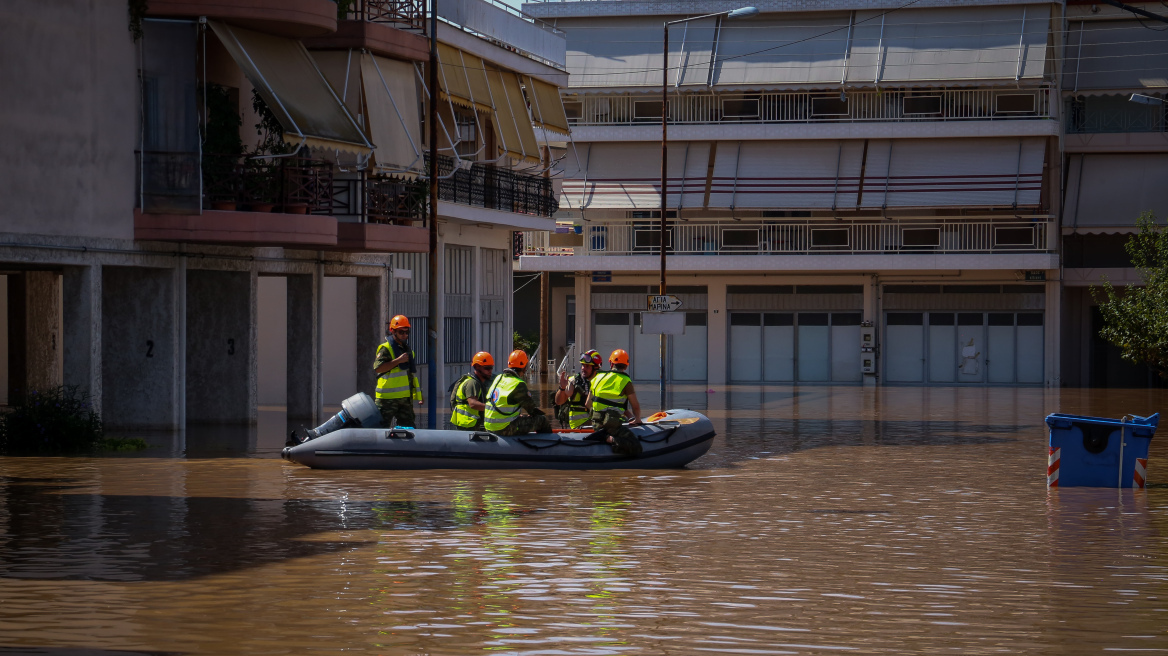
(214, 207)
(833, 166)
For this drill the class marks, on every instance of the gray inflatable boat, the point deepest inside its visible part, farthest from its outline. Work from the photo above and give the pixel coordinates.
(669, 439)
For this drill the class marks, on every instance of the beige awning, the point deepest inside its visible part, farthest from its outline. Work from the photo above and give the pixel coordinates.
(1113, 189)
(1112, 57)
(547, 110)
(512, 122)
(295, 90)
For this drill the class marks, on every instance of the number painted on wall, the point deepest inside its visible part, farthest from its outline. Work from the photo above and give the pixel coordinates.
(149, 348)
(231, 347)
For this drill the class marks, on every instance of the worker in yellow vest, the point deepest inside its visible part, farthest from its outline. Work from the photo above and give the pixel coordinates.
(610, 397)
(397, 376)
(573, 392)
(468, 395)
(508, 396)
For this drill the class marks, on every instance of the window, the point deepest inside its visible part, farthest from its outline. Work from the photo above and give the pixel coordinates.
(467, 136)
(612, 318)
(458, 340)
(829, 106)
(922, 105)
(778, 319)
(574, 109)
(1014, 103)
(745, 319)
(906, 318)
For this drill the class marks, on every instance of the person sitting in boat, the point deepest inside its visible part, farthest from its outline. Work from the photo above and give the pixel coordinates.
(507, 396)
(469, 394)
(610, 396)
(397, 375)
(573, 392)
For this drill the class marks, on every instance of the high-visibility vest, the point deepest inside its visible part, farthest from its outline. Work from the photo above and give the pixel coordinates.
(577, 413)
(463, 415)
(608, 391)
(499, 414)
(395, 383)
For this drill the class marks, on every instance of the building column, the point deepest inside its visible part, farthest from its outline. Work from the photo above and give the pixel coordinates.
(305, 391)
(438, 323)
(476, 296)
(583, 312)
(81, 305)
(179, 325)
(718, 334)
(1052, 327)
(220, 349)
(872, 313)
(372, 314)
(42, 329)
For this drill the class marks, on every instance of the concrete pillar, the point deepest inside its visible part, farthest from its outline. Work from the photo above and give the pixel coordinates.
(872, 313)
(138, 348)
(476, 295)
(304, 372)
(221, 353)
(719, 332)
(17, 328)
(583, 312)
(179, 310)
(372, 314)
(1052, 329)
(81, 304)
(439, 323)
(42, 336)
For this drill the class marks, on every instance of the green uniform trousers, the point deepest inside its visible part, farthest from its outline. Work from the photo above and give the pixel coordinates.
(527, 424)
(396, 412)
(623, 440)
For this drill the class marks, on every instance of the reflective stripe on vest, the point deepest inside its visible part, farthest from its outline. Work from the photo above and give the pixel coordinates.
(464, 416)
(395, 383)
(498, 416)
(577, 413)
(607, 391)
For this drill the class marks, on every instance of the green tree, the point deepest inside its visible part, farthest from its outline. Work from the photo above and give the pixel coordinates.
(1136, 318)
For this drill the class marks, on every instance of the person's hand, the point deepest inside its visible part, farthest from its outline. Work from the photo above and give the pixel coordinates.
(636, 422)
(419, 403)
(609, 440)
(563, 379)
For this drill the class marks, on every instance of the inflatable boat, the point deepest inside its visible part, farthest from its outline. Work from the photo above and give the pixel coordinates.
(669, 439)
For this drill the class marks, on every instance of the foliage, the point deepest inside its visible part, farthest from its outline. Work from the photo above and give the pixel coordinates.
(1136, 319)
(137, 13)
(122, 444)
(221, 134)
(343, 8)
(57, 420)
(526, 343)
(269, 128)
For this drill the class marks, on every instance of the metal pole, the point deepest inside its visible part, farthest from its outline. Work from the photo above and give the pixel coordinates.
(432, 327)
(664, 191)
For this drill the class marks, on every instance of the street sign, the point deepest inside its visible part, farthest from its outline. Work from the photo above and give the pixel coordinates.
(662, 323)
(1035, 276)
(667, 303)
(601, 276)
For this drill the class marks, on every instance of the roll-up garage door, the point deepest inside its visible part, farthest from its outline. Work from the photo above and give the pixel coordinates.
(628, 176)
(805, 347)
(967, 172)
(962, 348)
(786, 174)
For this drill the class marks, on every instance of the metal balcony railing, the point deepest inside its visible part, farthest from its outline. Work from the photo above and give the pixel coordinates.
(385, 200)
(492, 187)
(1104, 114)
(808, 237)
(295, 185)
(812, 106)
(403, 14)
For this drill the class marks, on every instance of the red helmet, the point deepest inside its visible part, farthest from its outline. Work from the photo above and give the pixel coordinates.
(483, 359)
(591, 357)
(400, 321)
(619, 356)
(517, 359)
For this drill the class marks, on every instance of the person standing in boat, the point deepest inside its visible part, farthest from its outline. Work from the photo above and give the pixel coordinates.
(573, 392)
(397, 376)
(610, 397)
(508, 396)
(469, 394)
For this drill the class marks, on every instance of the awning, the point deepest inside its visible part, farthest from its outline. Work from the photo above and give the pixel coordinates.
(294, 89)
(798, 49)
(547, 109)
(383, 94)
(628, 176)
(628, 52)
(998, 172)
(951, 44)
(462, 79)
(1114, 57)
(786, 174)
(513, 129)
(1111, 190)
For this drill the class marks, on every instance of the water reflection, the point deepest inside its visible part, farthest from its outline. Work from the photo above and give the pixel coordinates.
(823, 520)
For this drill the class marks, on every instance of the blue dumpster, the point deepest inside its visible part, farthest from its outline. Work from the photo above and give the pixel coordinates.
(1099, 452)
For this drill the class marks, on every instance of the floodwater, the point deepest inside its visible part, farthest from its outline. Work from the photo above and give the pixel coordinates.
(824, 520)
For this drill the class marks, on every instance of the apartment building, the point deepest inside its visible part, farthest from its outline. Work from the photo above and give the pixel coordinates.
(215, 206)
(832, 166)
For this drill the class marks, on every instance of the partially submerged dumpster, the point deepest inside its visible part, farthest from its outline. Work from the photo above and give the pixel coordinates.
(1099, 452)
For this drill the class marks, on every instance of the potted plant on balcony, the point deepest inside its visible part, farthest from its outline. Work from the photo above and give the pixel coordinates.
(222, 148)
(269, 188)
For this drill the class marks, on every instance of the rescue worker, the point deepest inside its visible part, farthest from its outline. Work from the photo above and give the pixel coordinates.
(610, 397)
(507, 396)
(469, 394)
(573, 392)
(397, 376)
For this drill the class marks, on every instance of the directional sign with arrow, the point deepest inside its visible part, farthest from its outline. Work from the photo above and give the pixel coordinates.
(667, 303)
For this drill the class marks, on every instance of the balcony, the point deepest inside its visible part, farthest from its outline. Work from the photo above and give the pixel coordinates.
(291, 18)
(918, 105)
(491, 187)
(803, 237)
(390, 28)
(1113, 114)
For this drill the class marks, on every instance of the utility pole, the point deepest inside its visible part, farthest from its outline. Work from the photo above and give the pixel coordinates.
(431, 323)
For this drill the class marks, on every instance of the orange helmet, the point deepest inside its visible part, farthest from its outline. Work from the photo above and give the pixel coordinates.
(619, 356)
(483, 359)
(517, 359)
(400, 321)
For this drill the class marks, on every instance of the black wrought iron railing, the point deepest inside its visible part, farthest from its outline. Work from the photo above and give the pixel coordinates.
(405, 14)
(493, 187)
(385, 200)
(295, 185)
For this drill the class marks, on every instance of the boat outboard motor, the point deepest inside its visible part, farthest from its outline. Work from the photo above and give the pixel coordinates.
(357, 411)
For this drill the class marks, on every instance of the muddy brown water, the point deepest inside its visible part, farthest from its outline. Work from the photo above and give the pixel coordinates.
(823, 520)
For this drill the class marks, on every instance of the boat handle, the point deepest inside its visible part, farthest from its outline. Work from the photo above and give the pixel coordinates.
(484, 437)
(399, 435)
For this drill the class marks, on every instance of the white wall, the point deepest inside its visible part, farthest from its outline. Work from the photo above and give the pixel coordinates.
(339, 339)
(272, 315)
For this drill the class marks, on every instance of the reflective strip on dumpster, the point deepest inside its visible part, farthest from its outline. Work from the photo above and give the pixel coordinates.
(1052, 467)
(1141, 472)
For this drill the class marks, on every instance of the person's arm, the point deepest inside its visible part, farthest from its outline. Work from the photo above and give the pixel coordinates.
(522, 398)
(634, 411)
(474, 390)
(562, 394)
(383, 363)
